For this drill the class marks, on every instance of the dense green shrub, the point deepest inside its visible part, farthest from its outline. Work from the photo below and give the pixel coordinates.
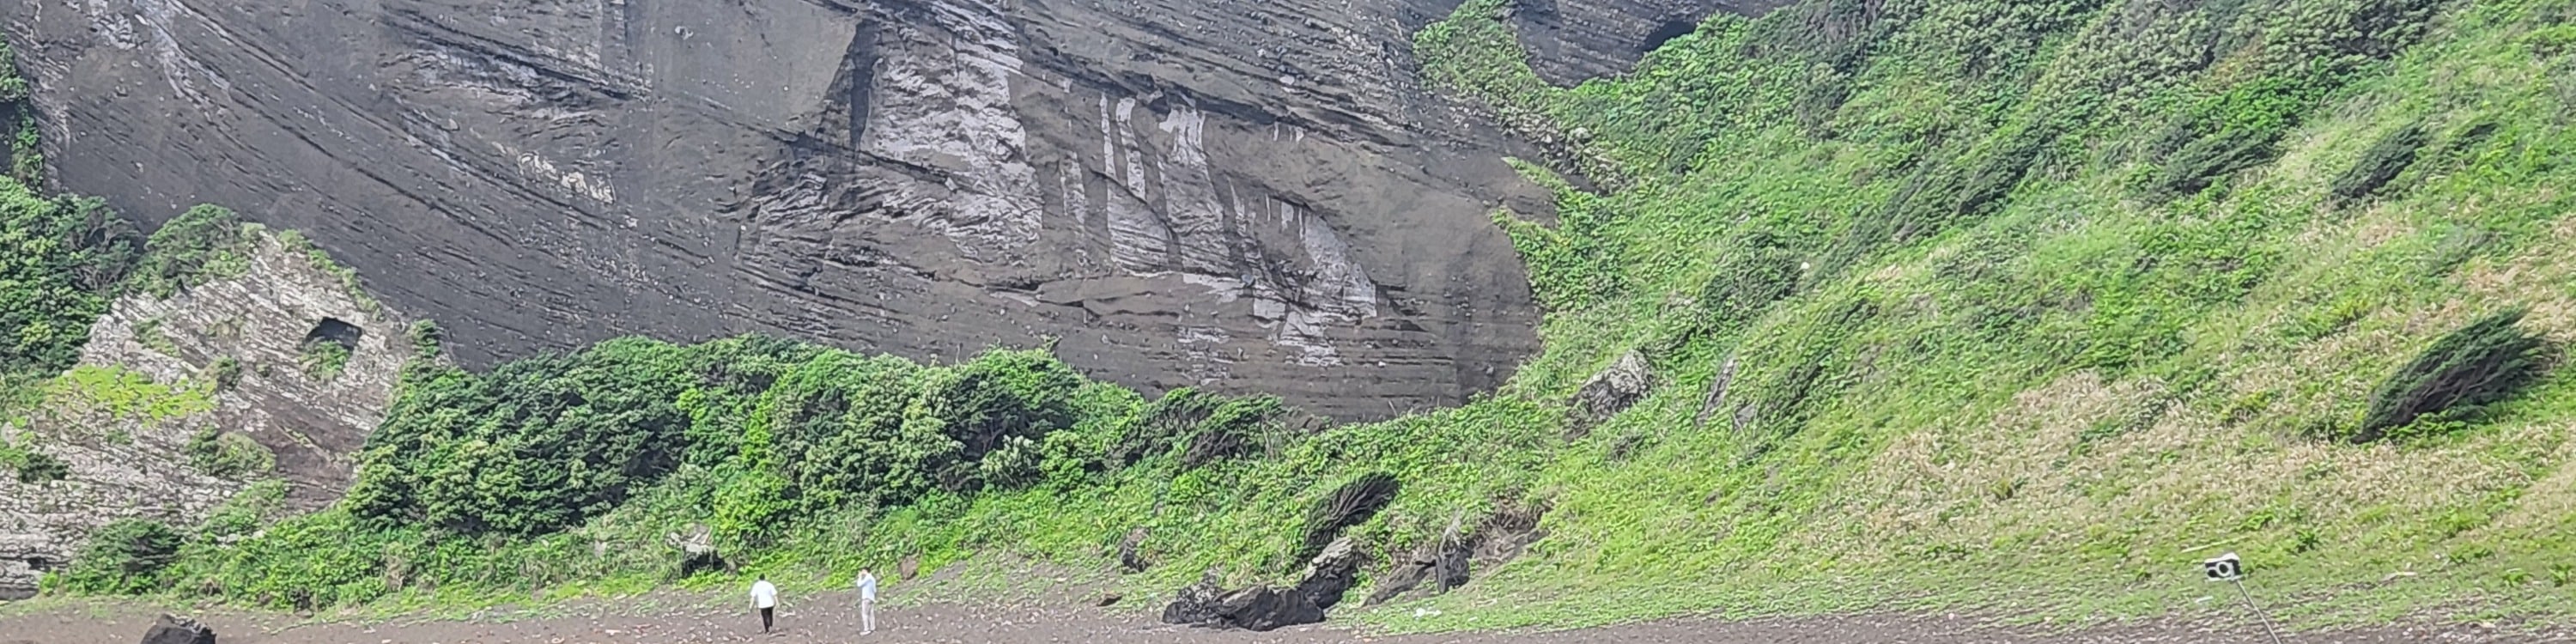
(225, 454)
(226, 373)
(204, 244)
(999, 396)
(536, 446)
(2483, 362)
(13, 88)
(1235, 428)
(127, 556)
(322, 359)
(60, 261)
(38, 467)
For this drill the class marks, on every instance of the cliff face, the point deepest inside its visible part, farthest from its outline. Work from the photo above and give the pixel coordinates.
(1230, 193)
(147, 387)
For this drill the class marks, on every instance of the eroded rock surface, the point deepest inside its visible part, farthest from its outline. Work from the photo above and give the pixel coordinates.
(146, 387)
(1249, 195)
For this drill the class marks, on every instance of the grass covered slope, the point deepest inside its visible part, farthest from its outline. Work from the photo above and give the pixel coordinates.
(2021, 307)
(2038, 303)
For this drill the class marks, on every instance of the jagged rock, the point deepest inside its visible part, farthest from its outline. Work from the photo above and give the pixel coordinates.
(1263, 608)
(1332, 573)
(178, 630)
(1446, 563)
(1131, 557)
(697, 550)
(1107, 600)
(1259, 194)
(1195, 604)
(1613, 390)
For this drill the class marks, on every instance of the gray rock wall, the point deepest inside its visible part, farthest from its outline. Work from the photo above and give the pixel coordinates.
(126, 462)
(1247, 195)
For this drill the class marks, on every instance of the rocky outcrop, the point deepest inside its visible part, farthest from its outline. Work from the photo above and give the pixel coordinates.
(178, 630)
(1448, 562)
(1613, 390)
(1263, 608)
(1250, 196)
(1573, 40)
(147, 385)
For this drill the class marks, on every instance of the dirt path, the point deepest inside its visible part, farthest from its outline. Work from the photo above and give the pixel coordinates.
(831, 619)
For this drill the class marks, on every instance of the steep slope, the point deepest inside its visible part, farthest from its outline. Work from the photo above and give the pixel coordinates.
(1256, 196)
(268, 366)
(2021, 307)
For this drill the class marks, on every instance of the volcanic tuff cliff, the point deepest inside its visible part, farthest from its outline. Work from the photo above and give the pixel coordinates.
(152, 381)
(1248, 195)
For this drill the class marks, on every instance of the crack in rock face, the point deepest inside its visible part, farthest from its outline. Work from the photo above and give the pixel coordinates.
(1241, 195)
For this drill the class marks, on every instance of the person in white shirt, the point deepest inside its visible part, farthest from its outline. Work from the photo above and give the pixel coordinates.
(765, 598)
(867, 584)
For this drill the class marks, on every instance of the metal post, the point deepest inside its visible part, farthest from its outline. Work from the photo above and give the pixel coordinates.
(2258, 610)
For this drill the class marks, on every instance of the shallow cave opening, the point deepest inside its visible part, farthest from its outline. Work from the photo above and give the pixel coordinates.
(335, 331)
(1665, 33)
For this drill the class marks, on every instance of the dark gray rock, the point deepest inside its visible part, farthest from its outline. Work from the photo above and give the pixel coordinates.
(1332, 573)
(1263, 608)
(1254, 195)
(1195, 604)
(1131, 555)
(178, 630)
(1613, 390)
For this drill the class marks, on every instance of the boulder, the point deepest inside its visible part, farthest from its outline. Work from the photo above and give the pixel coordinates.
(1195, 604)
(1131, 555)
(178, 630)
(1613, 390)
(1263, 608)
(1332, 573)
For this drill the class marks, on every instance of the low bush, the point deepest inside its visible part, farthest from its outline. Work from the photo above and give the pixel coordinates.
(2483, 362)
(204, 244)
(127, 556)
(223, 454)
(2380, 164)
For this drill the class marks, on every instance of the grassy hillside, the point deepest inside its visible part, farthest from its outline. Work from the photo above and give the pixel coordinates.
(2020, 307)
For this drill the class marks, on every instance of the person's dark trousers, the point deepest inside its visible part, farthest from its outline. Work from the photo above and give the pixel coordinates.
(764, 620)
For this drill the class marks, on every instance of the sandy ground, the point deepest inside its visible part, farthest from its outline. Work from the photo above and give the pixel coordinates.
(832, 618)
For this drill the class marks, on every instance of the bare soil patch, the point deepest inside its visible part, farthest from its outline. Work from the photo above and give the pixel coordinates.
(833, 618)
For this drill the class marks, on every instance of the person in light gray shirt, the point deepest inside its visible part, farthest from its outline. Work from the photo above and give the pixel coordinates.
(867, 584)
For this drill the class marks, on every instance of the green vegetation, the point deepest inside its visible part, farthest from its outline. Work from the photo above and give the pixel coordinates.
(223, 454)
(2025, 306)
(125, 557)
(148, 333)
(322, 359)
(117, 394)
(61, 260)
(13, 88)
(225, 373)
(2481, 363)
(32, 467)
(205, 244)
(26, 157)
(484, 482)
